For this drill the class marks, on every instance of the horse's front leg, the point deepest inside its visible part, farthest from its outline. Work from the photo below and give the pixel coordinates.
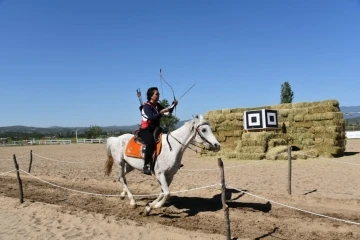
(125, 187)
(152, 204)
(164, 195)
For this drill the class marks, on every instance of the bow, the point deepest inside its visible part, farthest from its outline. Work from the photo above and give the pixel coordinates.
(161, 77)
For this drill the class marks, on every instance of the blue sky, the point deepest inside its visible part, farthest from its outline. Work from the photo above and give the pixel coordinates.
(79, 63)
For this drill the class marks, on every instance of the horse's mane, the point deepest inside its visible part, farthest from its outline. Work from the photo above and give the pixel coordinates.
(196, 120)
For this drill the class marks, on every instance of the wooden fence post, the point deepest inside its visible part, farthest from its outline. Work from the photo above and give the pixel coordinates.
(31, 158)
(289, 171)
(19, 180)
(223, 199)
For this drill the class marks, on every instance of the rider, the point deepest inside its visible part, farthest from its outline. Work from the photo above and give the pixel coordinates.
(151, 113)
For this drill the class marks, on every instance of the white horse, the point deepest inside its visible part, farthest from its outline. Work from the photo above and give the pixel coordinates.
(169, 160)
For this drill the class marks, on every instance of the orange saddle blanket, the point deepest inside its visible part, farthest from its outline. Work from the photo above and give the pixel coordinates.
(134, 148)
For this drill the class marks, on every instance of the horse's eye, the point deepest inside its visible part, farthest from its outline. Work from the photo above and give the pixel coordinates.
(203, 130)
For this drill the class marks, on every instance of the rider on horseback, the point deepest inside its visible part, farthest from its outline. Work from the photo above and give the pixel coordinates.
(151, 113)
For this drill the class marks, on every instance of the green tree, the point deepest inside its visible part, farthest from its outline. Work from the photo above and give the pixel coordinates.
(287, 95)
(93, 131)
(168, 123)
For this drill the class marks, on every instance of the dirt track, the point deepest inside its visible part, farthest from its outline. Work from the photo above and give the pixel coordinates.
(325, 186)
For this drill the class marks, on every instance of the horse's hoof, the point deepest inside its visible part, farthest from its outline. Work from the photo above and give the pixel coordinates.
(147, 210)
(122, 197)
(133, 206)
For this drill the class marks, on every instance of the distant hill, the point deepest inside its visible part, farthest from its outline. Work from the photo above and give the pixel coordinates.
(64, 130)
(352, 121)
(350, 112)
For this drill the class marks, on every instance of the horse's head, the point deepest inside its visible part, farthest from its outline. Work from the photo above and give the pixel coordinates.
(204, 134)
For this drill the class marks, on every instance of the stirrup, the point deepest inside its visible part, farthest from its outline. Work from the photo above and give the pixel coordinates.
(146, 170)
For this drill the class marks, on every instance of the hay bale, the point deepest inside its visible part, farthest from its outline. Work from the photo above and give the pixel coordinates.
(329, 151)
(225, 111)
(239, 116)
(327, 129)
(310, 126)
(333, 103)
(272, 153)
(220, 138)
(251, 149)
(211, 114)
(302, 136)
(312, 153)
(331, 142)
(247, 156)
(283, 106)
(230, 116)
(226, 133)
(250, 143)
(219, 118)
(260, 136)
(323, 116)
(238, 110)
(323, 109)
(303, 124)
(230, 155)
(308, 143)
(230, 142)
(334, 122)
(275, 142)
(238, 133)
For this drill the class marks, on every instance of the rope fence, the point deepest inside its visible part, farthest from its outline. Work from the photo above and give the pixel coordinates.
(2, 174)
(295, 208)
(55, 160)
(225, 207)
(189, 190)
(116, 195)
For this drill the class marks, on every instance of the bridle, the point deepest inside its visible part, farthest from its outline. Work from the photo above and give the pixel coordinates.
(197, 131)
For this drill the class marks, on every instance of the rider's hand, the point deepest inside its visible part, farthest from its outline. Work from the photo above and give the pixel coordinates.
(164, 110)
(175, 102)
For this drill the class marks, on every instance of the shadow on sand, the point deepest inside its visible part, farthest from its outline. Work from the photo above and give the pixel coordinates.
(194, 205)
(350, 153)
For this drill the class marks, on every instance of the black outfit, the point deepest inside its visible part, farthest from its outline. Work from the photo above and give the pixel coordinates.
(151, 117)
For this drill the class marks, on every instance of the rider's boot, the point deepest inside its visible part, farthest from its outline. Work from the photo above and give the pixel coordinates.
(146, 169)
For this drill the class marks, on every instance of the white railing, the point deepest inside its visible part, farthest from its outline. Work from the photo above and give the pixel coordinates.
(352, 134)
(99, 140)
(36, 142)
(50, 142)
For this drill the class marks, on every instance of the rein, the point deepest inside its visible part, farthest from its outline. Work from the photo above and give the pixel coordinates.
(197, 132)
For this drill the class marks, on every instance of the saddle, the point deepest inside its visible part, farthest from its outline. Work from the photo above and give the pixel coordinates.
(135, 145)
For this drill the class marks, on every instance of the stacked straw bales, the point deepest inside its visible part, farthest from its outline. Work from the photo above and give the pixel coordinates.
(313, 128)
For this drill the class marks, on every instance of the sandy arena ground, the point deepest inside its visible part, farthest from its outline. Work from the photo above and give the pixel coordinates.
(329, 187)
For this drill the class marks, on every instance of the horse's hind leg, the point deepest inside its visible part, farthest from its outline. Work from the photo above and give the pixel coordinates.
(124, 183)
(127, 170)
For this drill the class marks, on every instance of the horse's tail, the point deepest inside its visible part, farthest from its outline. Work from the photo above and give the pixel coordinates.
(110, 161)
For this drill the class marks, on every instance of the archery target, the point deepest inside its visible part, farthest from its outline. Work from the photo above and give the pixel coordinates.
(254, 120)
(271, 118)
(260, 119)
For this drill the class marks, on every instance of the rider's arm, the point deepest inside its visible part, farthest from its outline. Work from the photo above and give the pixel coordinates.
(161, 109)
